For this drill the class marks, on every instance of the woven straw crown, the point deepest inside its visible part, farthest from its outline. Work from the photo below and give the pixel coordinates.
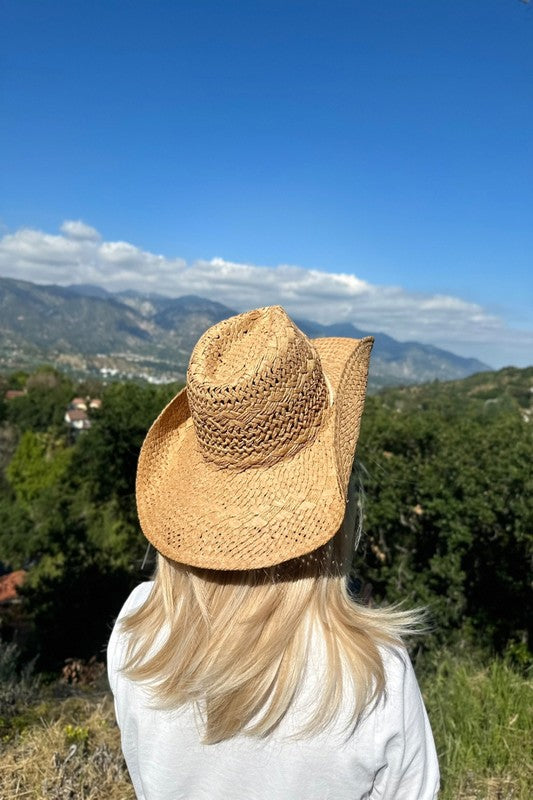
(255, 400)
(248, 466)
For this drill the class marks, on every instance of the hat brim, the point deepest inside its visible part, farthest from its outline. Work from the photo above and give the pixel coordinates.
(204, 515)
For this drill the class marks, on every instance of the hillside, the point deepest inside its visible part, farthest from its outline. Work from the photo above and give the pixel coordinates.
(508, 389)
(92, 332)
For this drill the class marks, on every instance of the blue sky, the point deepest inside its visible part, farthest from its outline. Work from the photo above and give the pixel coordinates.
(390, 142)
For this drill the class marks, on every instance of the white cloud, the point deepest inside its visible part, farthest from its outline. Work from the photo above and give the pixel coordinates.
(78, 255)
(76, 229)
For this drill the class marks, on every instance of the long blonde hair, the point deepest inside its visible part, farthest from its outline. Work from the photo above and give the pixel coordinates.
(235, 643)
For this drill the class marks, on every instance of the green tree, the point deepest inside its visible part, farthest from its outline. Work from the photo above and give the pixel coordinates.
(69, 512)
(448, 519)
(39, 462)
(45, 402)
(106, 458)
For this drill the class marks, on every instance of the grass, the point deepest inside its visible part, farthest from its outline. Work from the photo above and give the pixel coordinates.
(70, 750)
(59, 742)
(481, 715)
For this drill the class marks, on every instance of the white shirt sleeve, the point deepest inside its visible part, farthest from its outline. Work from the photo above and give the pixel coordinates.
(409, 768)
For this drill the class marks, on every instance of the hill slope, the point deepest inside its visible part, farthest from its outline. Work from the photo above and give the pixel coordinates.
(92, 331)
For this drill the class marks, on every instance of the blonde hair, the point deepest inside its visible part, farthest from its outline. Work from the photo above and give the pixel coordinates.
(235, 642)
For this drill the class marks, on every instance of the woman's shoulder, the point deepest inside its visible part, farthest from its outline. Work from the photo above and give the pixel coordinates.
(116, 647)
(396, 662)
(401, 700)
(400, 676)
(136, 598)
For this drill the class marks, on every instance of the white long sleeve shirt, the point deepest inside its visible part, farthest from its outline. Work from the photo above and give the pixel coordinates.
(390, 755)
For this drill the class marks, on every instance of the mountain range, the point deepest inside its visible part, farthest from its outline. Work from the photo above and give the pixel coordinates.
(88, 330)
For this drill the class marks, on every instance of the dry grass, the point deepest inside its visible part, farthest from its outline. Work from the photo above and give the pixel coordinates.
(68, 750)
(473, 788)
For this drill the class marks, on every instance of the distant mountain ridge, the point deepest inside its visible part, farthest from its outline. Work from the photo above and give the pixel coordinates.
(90, 330)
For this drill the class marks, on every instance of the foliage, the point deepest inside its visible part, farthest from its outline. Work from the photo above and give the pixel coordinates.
(446, 470)
(67, 512)
(107, 458)
(44, 404)
(39, 463)
(17, 379)
(77, 735)
(73, 599)
(449, 524)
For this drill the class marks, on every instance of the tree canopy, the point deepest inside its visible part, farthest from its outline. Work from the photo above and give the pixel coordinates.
(446, 470)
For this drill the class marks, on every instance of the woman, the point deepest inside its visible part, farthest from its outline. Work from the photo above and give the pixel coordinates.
(245, 670)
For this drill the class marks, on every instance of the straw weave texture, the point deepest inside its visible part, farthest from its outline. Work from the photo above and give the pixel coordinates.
(256, 390)
(249, 465)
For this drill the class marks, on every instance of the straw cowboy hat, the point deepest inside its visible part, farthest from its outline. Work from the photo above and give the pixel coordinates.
(249, 464)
